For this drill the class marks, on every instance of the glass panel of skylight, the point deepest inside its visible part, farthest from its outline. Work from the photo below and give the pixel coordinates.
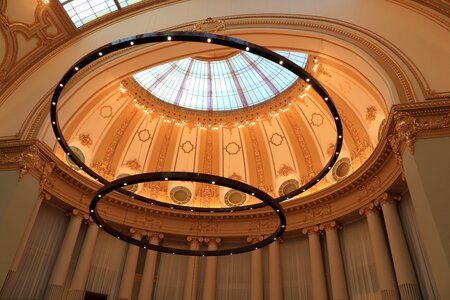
(244, 79)
(125, 3)
(84, 11)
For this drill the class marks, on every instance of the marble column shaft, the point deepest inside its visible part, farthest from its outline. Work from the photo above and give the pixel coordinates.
(209, 287)
(257, 275)
(403, 266)
(275, 279)
(57, 279)
(337, 273)
(129, 270)
(80, 276)
(190, 286)
(383, 266)
(319, 287)
(147, 282)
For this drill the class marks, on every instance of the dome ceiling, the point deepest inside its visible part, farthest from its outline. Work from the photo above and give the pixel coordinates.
(243, 80)
(119, 128)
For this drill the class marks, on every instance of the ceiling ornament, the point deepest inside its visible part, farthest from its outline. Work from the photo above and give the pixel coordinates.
(144, 135)
(276, 139)
(209, 25)
(85, 139)
(316, 119)
(232, 148)
(106, 111)
(133, 165)
(371, 113)
(266, 199)
(285, 170)
(187, 147)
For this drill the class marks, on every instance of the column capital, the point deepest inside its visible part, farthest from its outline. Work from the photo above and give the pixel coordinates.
(368, 209)
(254, 239)
(385, 198)
(195, 239)
(137, 234)
(311, 230)
(154, 238)
(44, 196)
(212, 240)
(74, 213)
(332, 225)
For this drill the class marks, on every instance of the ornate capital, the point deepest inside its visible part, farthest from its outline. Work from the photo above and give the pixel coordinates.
(330, 226)
(75, 213)
(213, 243)
(367, 209)
(311, 230)
(154, 238)
(254, 239)
(386, 198)
(195, 239)
(137, 234)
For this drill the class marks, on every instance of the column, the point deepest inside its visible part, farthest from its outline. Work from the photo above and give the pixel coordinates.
(11, 278)
(337, 274)
(57, 280)
(319, 287)
(190, 285)
(129, 270)
(404, 270)
(257, 275)
(383, 265)
(275, 279)
(209, 288)
(80, 276)
(148, 277)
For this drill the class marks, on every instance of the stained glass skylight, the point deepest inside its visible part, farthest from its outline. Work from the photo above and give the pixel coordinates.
(84, 11)
(237, 82)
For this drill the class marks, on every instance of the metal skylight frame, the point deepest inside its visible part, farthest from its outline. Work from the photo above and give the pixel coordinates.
(82, 12)
(237, 82)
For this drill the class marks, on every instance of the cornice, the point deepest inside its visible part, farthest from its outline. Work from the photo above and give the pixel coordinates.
(362, 191)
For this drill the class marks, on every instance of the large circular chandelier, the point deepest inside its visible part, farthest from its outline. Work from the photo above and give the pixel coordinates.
(119, 184)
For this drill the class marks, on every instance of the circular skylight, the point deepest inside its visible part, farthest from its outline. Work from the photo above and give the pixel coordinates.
(240, 81)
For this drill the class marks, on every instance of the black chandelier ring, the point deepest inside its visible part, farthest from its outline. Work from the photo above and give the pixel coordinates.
(199, 37)
(193, 177)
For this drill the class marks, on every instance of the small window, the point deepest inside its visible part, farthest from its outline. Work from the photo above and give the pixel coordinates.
(94, 296)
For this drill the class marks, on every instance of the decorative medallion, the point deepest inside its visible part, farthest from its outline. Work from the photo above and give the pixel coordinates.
(276, 139)
(187, 147)
(180, 195)
(131, 188)
(371, 113)
(106, 111)
(144, 135)
(288, 186)
(232, 148)
(235, 198)
(85, 139)
(316, 119)
(285, 170)
(133, 165)
(341, 169)
(210, 25)
(79, 154)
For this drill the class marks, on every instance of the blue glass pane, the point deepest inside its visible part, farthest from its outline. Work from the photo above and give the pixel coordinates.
(240, 81)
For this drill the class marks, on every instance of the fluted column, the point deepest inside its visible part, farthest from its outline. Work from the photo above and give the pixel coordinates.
(77, 287)
(319, 287)
(404, 270)
(383, 265)
(190, 285)
(57, 280)
(256, 276)
(337, 274)
(209, 287)
(129, 270)
(147, 282)
(275, 279)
